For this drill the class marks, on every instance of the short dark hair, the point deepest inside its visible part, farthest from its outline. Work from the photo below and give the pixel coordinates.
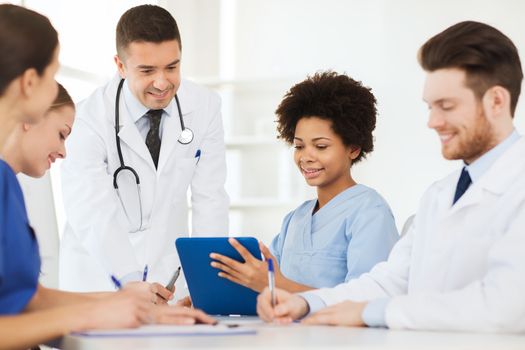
(487, 56)
(146, 23)
(27, 40)
(346, 103)
(63, 99)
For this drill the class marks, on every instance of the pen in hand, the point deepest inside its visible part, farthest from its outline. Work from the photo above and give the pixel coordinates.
(145, 273)
(271, 282)
(116, 282)
(171, 284)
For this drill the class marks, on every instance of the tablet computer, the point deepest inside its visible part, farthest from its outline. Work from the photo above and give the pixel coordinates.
(209, 292)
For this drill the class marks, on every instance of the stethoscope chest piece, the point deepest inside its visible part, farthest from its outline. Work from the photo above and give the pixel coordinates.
(186, 136)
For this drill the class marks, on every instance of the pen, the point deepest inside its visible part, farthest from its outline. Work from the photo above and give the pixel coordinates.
(171, 285)
(116, 282)
(271, 281)
(198, 155)
(145, 274)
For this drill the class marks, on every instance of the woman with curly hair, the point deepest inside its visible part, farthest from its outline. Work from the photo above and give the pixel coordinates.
(349, 227)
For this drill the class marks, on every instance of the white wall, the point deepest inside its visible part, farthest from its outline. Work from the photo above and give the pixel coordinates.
(373, 41)
(263, 47)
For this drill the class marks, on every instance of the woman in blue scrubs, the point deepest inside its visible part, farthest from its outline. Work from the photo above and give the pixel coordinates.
(30, 313)
(349, 227)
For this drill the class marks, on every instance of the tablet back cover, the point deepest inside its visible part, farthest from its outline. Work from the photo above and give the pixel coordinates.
(209, 292)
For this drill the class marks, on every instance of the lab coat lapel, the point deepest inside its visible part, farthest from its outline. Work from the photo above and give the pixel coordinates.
(445, 195)
(170, 134)
(172, 127)
(473, 196)
(129, 135)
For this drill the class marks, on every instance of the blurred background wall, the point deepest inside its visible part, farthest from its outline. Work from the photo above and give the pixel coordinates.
(251, 52)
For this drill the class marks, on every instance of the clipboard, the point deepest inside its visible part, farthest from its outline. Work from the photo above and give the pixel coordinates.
(209, 292)
(167, 331)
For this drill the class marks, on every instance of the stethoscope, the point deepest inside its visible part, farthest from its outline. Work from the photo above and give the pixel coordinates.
(186, 136)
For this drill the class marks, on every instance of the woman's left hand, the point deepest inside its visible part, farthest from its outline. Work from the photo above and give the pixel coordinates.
(253, 273)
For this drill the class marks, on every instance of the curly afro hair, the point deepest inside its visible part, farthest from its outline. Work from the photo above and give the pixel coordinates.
(346, 103)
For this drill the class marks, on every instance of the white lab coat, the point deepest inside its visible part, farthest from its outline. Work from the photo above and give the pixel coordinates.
(459, 267)
(96, 240)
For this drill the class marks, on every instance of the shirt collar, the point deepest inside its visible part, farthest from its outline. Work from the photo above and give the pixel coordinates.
(136, 109)
(483, 163)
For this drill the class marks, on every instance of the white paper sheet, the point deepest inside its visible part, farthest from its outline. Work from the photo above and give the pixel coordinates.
(171, 331)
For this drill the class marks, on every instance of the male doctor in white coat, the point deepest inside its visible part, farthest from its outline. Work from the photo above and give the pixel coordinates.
(170, 145)
(461, 266)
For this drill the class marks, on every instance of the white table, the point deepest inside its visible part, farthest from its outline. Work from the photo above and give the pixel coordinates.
(297, 336)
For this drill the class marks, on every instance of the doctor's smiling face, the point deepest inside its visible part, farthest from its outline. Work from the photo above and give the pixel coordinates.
(472, 86)
(458, 116)
(322, 157)
(152, 71)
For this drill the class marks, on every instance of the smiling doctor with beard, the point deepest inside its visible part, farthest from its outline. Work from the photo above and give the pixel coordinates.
(138, 145)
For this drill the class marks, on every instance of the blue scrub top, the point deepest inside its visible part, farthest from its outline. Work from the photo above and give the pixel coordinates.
(341, 241)
(19, 256)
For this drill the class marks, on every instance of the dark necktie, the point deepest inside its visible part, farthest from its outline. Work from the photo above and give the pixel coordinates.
(153, 138)
(463, 184)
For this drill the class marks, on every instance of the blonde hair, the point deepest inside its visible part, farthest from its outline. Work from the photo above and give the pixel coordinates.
(63, 99)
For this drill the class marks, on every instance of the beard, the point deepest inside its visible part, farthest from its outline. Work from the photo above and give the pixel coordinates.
(474, 142)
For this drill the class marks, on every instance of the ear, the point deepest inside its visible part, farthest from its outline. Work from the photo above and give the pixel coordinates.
(496, 102)
(120, 66)
(354, 152)
(26, 127)
(28, 82)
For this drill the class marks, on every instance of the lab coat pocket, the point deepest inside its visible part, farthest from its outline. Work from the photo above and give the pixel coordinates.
(184, 168)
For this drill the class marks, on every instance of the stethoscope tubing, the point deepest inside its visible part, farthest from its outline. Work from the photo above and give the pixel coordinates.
(185, 138)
